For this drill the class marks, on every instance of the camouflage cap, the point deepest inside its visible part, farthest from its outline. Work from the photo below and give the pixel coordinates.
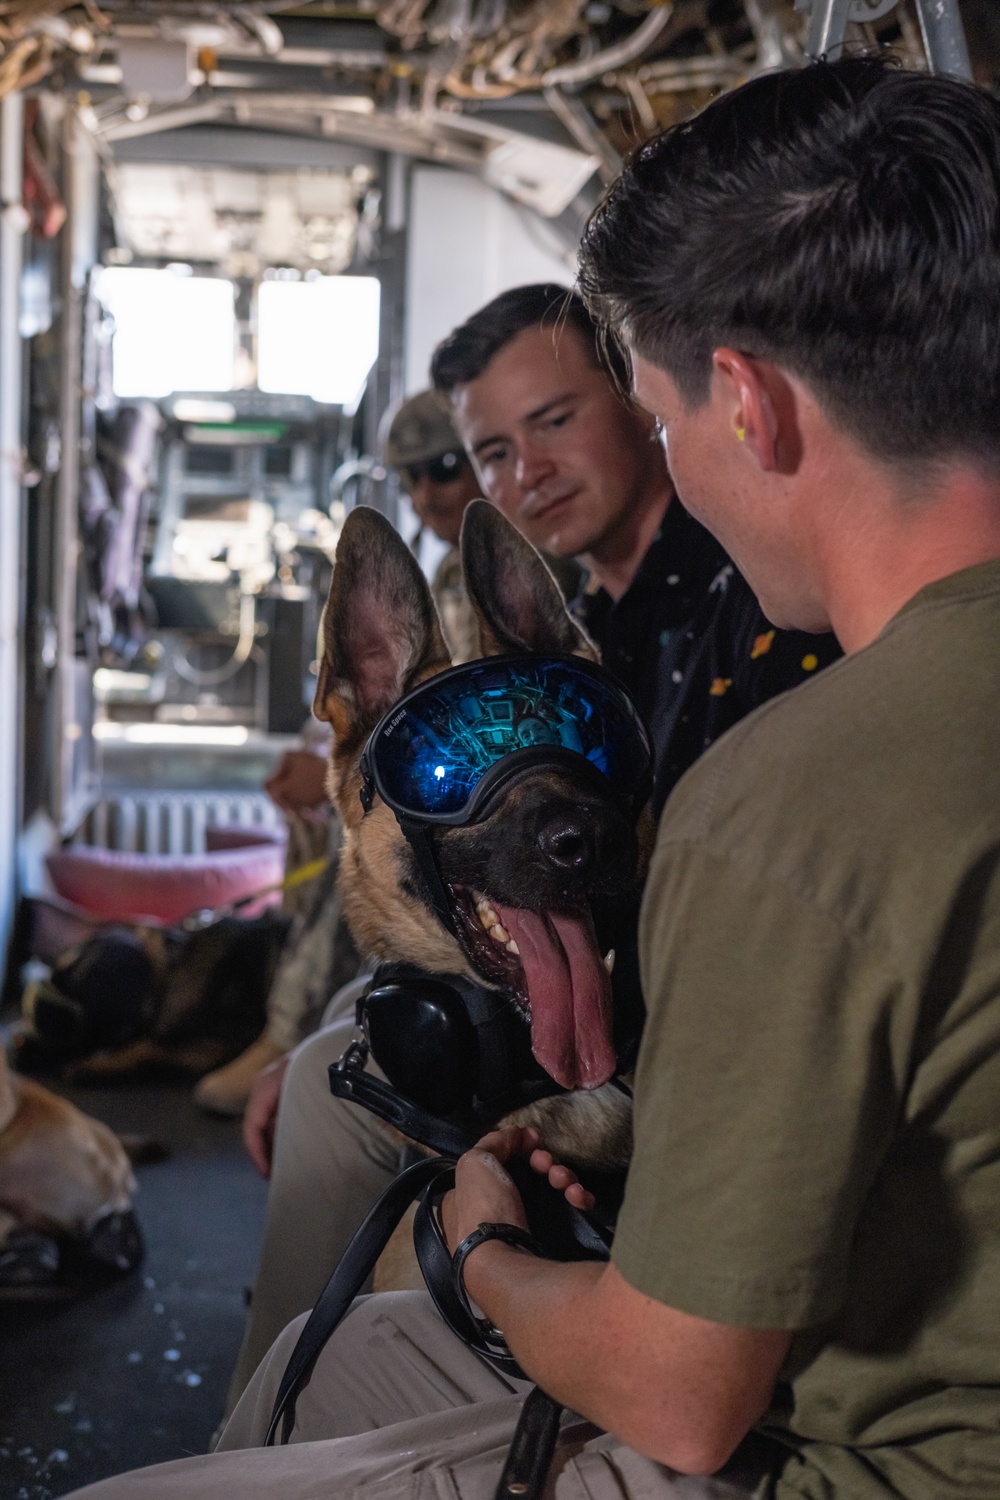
(420, 429)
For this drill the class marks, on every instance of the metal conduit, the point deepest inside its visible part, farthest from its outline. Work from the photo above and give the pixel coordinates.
(940, 27)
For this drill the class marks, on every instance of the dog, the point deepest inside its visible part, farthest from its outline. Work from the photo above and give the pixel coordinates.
(66, 1187)
(527, 918)
(135, 1001)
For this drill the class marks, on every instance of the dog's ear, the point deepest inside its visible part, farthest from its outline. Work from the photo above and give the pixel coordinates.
(512, 591)
(380, 629)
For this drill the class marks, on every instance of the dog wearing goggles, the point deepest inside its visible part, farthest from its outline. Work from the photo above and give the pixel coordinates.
(490, 809)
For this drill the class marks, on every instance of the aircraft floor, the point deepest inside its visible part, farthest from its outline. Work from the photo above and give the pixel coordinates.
(137, 1373)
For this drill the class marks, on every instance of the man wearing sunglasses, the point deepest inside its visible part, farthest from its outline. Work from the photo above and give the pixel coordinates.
(427, 452)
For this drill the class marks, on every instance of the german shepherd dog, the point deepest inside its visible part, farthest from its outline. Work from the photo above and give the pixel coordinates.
(541, 883)
(66, 1185)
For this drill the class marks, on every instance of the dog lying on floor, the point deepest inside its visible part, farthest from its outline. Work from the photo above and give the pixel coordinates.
(66, 1185)
(526, 898)
(127, 1001)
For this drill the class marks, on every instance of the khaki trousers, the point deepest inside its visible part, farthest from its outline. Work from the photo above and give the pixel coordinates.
(398, 1409)
(331, 1161)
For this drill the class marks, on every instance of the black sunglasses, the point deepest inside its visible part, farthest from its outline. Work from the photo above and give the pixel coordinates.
(441, 470)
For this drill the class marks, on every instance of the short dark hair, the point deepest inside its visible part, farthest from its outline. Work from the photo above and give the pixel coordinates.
(465, 353)
(843, 221)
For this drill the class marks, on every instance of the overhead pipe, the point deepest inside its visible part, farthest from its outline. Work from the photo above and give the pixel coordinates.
(944, 38)
(614, 57)
(941, 30)
(827, 28)
(576, 118)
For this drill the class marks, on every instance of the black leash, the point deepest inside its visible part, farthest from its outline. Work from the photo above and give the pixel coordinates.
(564, 1231)
(344, 1285)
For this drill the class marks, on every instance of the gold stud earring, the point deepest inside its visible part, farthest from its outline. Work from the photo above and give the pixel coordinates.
(741, 434)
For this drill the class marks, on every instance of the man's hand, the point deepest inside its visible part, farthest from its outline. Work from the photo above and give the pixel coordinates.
(679, 1388)
(298, 783)
(261, 1115)
(484, 1192)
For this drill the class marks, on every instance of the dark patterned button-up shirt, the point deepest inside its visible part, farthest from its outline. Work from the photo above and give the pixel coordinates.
(691, 643)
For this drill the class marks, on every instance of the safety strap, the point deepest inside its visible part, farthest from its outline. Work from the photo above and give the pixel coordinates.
(530, 1453)
(301, 875)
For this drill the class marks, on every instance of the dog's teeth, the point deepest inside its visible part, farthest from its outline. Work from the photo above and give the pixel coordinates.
(513, 948)
(487, 915)
(609, 960)
(499, 934)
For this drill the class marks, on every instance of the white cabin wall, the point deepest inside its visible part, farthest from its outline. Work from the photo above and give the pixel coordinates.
(466, 244)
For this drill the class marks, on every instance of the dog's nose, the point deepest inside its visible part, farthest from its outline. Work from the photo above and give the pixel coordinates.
(565, 843)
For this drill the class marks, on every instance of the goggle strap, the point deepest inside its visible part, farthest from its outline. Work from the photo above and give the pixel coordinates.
(421, 841)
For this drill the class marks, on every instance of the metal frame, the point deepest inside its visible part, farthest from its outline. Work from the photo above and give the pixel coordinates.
(12, 225)
(940, 26)
(74, 785)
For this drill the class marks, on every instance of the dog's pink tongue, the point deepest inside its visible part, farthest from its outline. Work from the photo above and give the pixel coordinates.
(570, 993)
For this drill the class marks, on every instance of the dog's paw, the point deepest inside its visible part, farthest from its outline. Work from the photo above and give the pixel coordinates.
(29, 1265)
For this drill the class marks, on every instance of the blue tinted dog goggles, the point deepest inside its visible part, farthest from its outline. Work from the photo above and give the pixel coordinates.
(444, 749)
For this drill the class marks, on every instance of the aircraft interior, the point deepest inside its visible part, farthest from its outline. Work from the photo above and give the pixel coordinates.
(231, 238)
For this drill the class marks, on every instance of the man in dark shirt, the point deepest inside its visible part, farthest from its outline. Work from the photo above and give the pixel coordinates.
(578, 469)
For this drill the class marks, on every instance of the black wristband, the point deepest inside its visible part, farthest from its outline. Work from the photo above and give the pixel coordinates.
(507, 1234)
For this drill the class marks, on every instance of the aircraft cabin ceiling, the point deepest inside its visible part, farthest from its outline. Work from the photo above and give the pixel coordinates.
(239, 220)
(540, 97)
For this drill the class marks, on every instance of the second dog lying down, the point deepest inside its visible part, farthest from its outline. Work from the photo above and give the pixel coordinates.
(65, 1181)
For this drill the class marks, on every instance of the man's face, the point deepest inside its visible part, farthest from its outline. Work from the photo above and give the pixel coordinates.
(440, 493)
(756, 513)
(558, 452)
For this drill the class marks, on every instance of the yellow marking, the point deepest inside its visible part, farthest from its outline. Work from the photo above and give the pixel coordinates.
(719, 686)
(810, 663)
(762, 645)
(302, 874)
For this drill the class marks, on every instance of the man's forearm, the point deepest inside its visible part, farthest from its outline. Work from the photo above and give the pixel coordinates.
(664, 1382)
(542, 1308)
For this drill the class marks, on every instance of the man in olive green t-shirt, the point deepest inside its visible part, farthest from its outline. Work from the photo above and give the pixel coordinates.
(808, 276)
(804, 1293)
(818, 1098)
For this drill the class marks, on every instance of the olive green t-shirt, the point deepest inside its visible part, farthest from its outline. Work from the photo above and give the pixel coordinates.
(818, 1090)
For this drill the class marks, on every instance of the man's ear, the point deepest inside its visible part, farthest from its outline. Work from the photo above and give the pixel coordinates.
(760, 398)
(514, 595)
(380, 629)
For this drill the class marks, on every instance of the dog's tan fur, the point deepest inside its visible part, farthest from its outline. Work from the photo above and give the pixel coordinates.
(387, 922)
(60, 1170)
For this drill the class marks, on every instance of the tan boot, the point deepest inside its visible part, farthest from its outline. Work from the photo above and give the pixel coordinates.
(226, 1091)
